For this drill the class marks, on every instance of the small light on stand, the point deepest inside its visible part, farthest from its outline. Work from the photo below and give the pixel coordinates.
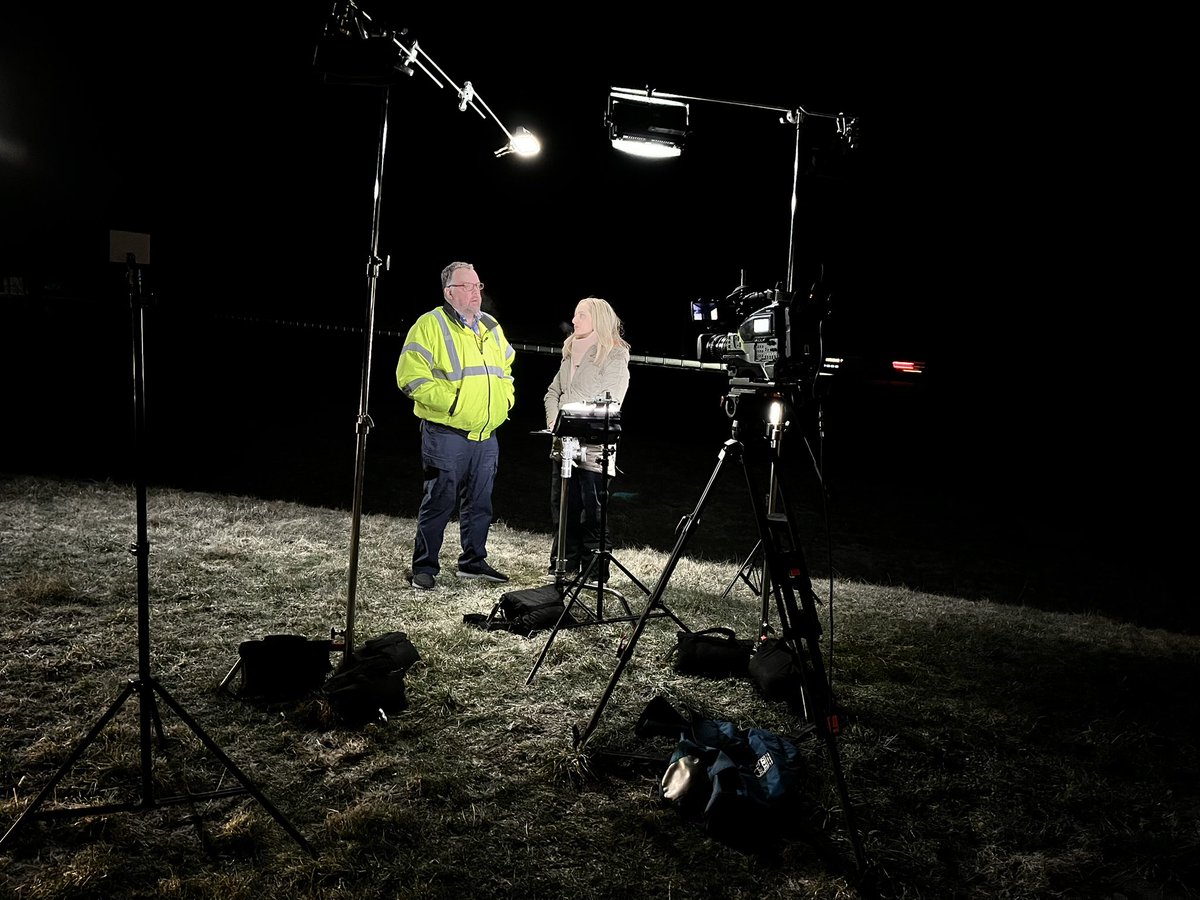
(522, 142)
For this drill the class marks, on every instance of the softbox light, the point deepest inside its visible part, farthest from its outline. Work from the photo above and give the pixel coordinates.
(645, 125)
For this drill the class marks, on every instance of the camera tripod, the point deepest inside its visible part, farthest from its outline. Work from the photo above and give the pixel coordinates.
(785, 572)
(145, 686)
(753, 572)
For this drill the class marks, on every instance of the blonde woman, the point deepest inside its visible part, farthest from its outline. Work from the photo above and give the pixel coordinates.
(595, 366)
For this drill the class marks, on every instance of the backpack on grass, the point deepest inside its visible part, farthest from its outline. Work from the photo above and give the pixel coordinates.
(369, 687)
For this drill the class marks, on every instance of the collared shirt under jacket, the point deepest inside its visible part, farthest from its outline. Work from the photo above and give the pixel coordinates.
(456, 377)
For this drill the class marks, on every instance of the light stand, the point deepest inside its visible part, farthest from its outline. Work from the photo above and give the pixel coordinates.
(785, 573)
(594, 422)
(650, 119)
(145, 686)
(355, 50)
(640, 118)
(364, 422)
(567, 451)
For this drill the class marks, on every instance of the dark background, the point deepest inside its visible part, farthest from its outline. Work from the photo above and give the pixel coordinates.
(986, 224)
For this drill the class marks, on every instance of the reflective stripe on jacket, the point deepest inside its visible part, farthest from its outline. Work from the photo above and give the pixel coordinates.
(456, 377)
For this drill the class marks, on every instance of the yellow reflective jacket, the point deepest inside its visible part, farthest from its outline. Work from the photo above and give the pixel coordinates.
(456, 377)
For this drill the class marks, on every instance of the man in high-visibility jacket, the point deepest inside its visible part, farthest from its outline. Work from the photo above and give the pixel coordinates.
(456, 367)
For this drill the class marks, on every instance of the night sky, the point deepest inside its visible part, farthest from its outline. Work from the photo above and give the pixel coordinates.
(942, 237)
(255, 178)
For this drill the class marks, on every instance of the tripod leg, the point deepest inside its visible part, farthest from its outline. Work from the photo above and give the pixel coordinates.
(786, 572)
(824, 714)
(599, 563)
(599, 559)
(156, 719)
(581, 737)
(237, 773)
(573, 591)
(571, 597)
(80, 749)
(745, 571)
(616, 562)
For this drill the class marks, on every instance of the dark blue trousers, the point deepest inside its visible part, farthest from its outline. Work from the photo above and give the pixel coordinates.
(459, 473)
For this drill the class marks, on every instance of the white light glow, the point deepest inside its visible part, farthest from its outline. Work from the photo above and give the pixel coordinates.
(525, 143)
(646, 149)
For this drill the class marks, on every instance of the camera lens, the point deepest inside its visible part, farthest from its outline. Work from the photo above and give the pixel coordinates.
(714, 347)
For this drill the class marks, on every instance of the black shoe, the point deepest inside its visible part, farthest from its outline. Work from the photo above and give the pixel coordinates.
(481, 570)
(422, 580)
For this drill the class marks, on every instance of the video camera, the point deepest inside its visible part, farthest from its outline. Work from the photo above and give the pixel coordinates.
(775, 346)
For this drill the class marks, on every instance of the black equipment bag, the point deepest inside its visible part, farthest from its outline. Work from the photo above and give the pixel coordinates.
(715, 652)
(534, 609)
(525, 612)
(393, 646)
(282, 667)
(777, 671)
(369, 686)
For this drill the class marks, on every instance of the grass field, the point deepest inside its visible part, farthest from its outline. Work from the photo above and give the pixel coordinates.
(991, 750)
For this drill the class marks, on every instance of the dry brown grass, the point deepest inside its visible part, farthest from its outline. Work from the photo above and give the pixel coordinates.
(993, 751)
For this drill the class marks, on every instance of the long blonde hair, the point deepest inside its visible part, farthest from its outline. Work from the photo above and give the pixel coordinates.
(607, 326)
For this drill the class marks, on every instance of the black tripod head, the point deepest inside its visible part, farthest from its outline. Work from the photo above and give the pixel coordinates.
(772, 406)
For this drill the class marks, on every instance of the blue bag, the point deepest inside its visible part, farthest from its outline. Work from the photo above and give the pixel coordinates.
(738, 781)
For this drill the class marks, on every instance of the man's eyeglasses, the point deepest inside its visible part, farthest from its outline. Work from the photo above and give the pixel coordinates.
(468, 287)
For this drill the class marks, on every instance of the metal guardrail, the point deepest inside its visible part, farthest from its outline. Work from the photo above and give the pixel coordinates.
(667, 362)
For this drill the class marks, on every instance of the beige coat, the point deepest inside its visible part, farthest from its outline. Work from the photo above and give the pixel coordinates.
(590, 381)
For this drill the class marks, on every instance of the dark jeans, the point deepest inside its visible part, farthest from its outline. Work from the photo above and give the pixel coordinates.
(583, 519)
(458, 472)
